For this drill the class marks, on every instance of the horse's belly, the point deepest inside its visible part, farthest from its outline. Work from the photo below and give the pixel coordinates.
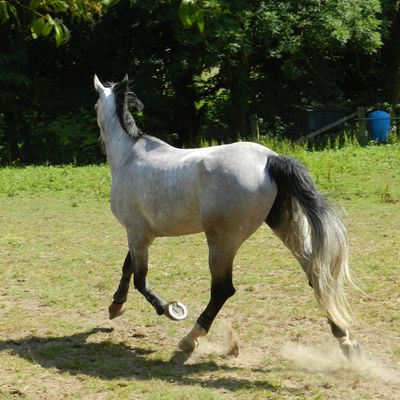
(175, 225)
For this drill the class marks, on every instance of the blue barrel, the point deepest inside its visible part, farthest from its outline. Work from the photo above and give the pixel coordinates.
(379, 125)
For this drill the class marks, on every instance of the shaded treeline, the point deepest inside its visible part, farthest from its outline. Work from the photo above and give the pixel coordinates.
(253, 57)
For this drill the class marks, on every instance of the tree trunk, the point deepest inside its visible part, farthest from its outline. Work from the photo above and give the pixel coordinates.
(187, 118)
(240, 97)
(394, 57)
(11, 134)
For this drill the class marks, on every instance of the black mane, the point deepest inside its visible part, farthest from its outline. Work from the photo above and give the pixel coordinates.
(125, 98)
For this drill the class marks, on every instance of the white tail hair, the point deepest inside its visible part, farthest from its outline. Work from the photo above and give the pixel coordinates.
(316, 235)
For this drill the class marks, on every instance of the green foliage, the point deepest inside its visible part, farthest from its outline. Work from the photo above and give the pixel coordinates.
(191, 14)
(46, 15)
(44, 26)
(76, 128)
(74, 136)
(13, 78)
(70, 137)
(6, 11)
(201, 67)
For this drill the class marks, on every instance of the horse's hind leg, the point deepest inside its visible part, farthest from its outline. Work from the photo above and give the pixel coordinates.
(220, 262)
(120, 296)
(350, 348)
(293, 231)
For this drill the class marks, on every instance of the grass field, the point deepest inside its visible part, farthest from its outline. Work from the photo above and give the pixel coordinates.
(60, 256)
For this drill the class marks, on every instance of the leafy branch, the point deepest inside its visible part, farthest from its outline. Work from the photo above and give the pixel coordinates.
(46, 16)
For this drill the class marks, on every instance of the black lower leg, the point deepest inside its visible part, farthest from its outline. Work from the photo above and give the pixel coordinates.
(337, 331)
(220, 292)
(157, 302)
(121, 294)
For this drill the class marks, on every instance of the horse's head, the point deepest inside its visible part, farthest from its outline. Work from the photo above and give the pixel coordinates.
(105, 105)
(115, 100)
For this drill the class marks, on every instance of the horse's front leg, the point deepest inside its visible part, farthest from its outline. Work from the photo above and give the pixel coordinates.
(120, 296)
(140, 258)
(136, 263)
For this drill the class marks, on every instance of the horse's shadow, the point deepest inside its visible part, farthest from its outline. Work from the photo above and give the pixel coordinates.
(109, 360)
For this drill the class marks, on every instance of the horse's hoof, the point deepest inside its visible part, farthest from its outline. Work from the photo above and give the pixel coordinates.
(175, 311)
(351, 349)
(187, 346)
(115, 310)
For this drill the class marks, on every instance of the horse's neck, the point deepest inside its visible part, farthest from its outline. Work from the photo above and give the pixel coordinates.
(118, 144)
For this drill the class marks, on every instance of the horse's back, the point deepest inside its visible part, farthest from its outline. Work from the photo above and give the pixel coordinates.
(239, 168)
(237, 192)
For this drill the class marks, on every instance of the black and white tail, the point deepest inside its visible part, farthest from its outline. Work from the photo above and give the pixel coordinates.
(316, 234)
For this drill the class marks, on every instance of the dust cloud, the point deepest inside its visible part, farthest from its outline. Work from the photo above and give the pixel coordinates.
(222, 343)
(331, 360)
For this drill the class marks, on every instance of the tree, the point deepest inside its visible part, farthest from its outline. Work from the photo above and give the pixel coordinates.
(391, 50)
(45, 17)
(200, 67)
(271, 51)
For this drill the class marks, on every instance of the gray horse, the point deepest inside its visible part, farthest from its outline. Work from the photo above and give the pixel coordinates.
(227, 192)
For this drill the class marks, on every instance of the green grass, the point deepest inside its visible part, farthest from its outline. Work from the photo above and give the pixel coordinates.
(92, 181)
(348, 173)
(60, 257)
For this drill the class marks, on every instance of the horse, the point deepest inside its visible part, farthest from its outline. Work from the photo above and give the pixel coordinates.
(227, 192)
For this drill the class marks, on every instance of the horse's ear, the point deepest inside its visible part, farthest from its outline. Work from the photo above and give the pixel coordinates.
(126, 79)
(98, 85)
(138, 104)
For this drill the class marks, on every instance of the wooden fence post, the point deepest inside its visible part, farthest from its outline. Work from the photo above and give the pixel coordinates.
(362, 123)
(255, 129)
